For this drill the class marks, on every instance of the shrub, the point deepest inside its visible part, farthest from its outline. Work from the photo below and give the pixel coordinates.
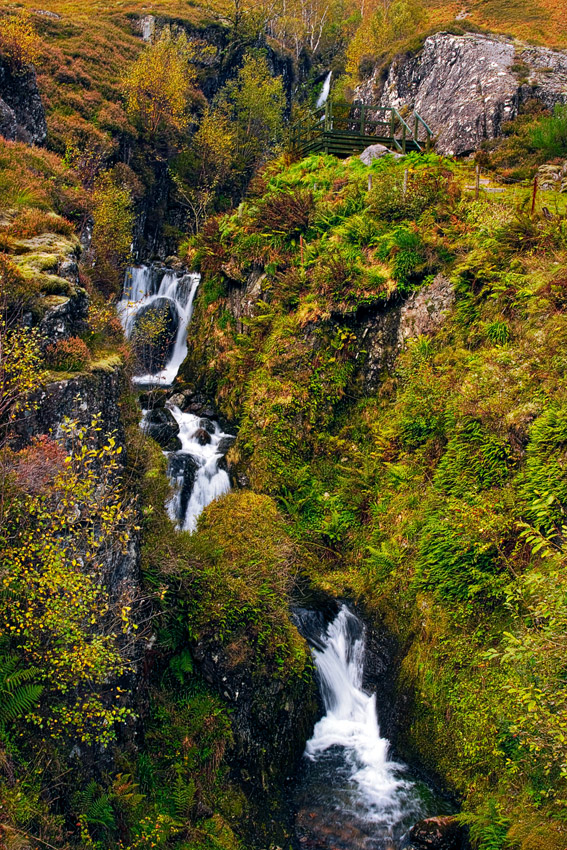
(68, 355)
(286, 213)
(16, 292)
(549, 135)
(32, 222)
(19, 43)
(387, 199)
(112, 233)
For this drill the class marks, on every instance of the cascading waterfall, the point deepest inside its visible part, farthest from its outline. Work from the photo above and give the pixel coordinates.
(142, 288)
(210, 481)
(352, 794)
(195, 470)
(322, 99)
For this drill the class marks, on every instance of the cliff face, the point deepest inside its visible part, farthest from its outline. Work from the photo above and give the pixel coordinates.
(467, 86)
(22, 117)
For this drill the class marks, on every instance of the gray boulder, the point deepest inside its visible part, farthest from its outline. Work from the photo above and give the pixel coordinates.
(373, 152)
(466, 86)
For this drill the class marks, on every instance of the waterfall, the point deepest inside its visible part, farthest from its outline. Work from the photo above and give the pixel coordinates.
(210, 481)
(194, 470)
(142, 288)
(322, 99)
(353, 791)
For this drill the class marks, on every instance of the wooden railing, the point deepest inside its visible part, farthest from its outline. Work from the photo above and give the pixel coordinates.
(345, 129)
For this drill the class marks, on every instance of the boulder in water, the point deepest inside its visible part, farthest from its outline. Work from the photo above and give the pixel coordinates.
(439, 833)
(161, 426)
(155, 328)
(207, 425)
(182, 469)
(202, 437)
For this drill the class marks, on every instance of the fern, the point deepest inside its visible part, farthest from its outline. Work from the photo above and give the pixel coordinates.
(18, 693)
(96, 807)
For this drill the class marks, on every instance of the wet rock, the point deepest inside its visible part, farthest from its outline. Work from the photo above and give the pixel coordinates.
(161, 426)
(439, 833)
(177, 400)
(152, 350)
(153, 398)
(465, 88)
(224, 444)
(202, 437)
(207, 425)
(182, 469)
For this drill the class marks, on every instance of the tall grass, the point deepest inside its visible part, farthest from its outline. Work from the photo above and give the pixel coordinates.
(549, 135)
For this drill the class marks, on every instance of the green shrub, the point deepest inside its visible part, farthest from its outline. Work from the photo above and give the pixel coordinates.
(549, 134)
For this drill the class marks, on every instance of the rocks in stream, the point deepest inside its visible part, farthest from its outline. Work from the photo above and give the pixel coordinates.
(438, 833)
(202, 437)
(182, 469)
(161, 426)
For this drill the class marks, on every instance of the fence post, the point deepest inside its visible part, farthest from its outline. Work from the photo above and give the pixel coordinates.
(404, 137)
(534, 194)
(416, 128)
(392, 123)
(477, 182)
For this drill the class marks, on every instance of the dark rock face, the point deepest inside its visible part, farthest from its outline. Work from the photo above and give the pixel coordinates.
(440, 833)
(382, 335)
(464, 86)
(66, 318)
(161, 426)
(22, 117)
(79, 399)
(154, 352)
(271, 721)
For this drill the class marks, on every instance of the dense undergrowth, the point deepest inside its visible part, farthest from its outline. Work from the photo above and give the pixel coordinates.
(436, 498)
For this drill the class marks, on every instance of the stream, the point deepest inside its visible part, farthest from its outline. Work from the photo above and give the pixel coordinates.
(350, 792)
(196, 470)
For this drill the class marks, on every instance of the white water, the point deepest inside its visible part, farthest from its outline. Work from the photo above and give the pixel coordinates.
(375, 791)
(142, 287)
(322, 99)
(140, 290)
(211, 482)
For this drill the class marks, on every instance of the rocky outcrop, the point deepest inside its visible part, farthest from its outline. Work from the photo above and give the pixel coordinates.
(161, 426)
(382, 335)
(22, 117)
(466, 86)
(271, 720)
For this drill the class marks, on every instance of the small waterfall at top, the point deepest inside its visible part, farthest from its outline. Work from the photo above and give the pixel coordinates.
(322, 99)
(351, 795)
(195, 469)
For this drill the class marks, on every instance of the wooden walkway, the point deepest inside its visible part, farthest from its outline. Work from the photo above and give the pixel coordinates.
(343, 130)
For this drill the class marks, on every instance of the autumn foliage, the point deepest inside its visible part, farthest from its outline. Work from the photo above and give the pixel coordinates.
(19, 42)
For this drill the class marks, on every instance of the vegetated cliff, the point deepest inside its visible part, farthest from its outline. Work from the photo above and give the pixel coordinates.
(467, 86)
(429, 484)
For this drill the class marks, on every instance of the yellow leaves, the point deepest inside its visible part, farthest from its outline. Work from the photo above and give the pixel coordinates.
(19, 42)
(160, 85)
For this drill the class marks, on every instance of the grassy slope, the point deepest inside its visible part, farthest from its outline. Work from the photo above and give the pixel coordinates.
(540, 21)
(413, 497)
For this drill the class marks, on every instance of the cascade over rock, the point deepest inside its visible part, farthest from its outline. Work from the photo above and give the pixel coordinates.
(466, 86)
